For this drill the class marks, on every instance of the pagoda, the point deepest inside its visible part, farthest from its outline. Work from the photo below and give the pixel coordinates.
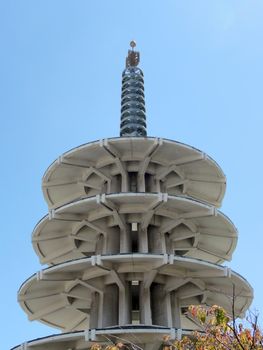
(132, 238)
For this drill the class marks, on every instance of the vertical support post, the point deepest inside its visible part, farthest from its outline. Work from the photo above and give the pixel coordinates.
(125, 241)
(124, 306)
(145, 303)
(143, 241)
(176, 310)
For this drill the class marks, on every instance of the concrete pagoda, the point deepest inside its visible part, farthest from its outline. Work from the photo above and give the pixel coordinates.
(133, 237)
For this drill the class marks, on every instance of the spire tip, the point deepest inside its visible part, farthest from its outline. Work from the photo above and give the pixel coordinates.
(133, 44)
(133, 58)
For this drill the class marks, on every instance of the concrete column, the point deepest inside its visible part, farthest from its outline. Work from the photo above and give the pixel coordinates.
(100, 244)
(176, 310)
(116, 184)
(141, 183)
(112, 241)
(125, 241)
(145, 305)
(159, 306)
(125, 305)
(158, 186)
(156, 241)
(94, 310)
(150, 183)
(143, 241)
(124, 182)
(167, 302)
(110, 306)
(168, 244)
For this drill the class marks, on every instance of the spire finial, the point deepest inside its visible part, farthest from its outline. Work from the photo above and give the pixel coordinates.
(133, 118)
(133, 44)
(133, 58)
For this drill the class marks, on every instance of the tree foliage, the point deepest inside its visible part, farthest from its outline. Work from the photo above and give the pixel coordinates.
(218, 331)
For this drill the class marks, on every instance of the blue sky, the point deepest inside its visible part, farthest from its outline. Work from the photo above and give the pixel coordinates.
(60, 69)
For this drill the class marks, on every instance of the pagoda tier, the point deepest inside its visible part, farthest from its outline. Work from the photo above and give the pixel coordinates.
(137, 337)
(133, 238)
(133, 164)
(134, 222)
(120, 290)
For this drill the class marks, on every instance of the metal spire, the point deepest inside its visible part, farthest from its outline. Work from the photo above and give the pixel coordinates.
(133, 118)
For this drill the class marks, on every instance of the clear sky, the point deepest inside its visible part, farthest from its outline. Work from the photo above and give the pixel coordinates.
(60, 71)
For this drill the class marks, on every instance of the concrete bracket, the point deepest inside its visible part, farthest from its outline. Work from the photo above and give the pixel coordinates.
(214, 211)
(227, 272)
(164, 197)
(173, 333)
(98, 199)
(171, 259)
(60, 160)
(165, 258)
(39, 275)
(103, 198)
(93, 260)
(51, 214)
(98, 260)
(90, 335)
(93, 334)
(179, 334)
(87, 335)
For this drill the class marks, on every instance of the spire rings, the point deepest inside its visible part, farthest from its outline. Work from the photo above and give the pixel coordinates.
(133, 118)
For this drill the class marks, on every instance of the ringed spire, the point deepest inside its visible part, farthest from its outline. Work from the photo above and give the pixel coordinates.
(133, 114)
